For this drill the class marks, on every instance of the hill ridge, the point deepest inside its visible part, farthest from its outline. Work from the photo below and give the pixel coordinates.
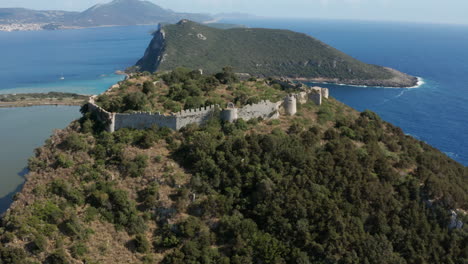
(262, 52)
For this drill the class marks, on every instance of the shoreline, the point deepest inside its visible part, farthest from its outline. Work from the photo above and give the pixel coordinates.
(420, 83)
(2, 106)
(41, 99)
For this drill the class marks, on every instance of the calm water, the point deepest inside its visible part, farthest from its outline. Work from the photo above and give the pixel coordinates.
(86, 58)
(22, 130)
(35, 62)
(436, 112)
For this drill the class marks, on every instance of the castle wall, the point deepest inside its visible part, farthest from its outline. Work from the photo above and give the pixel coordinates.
(195, 116)
(316, 98)
(144, 120)
(102, 115)
(264, 109)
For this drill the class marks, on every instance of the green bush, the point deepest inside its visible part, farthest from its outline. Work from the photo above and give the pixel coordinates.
(75, 142)
(63, 161)
(141, 244)
(136, 167)
(149, 87)
(64, 189)
(78, 250)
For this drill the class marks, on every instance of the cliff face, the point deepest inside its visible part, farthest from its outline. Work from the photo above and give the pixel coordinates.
(154, 54)
(262, 52)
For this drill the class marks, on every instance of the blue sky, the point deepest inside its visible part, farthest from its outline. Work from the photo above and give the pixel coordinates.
(433, 11)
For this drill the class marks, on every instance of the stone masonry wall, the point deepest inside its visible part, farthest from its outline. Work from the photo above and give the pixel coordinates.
(195, 116)
(144, 120)
(264, 109)
(176, 121)
(102, 115)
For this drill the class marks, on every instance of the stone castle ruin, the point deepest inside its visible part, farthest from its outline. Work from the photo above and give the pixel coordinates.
(264, 109)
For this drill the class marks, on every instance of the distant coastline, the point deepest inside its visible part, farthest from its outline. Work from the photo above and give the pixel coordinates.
(419, 83)
(38, 99)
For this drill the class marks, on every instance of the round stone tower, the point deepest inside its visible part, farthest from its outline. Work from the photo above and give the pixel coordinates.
(290, 105)
(230, 114)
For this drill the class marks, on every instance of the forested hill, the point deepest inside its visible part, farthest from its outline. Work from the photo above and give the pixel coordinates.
(329, 185)
(262, 52)
(116, 12)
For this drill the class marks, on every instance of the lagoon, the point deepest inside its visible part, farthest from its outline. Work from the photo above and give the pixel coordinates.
(22, 130)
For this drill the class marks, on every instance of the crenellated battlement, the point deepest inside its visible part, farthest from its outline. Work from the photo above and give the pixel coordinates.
(264, 109)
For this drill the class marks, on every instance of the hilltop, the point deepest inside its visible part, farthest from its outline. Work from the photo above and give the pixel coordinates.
(115, 13)
(328, 185)
(262, 52)
(131, 12)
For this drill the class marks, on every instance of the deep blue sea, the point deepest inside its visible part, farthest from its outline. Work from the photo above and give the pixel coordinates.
(436, 112)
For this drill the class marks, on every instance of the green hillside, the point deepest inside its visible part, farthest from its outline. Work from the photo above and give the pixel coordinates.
(261, 52)
(328, 185)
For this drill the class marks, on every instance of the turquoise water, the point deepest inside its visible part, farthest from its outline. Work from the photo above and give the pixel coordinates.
(87, 58)
(89, 87)
(35, 62)
(22, 130)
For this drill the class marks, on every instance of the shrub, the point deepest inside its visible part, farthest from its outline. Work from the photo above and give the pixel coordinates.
(64, 189)
(135, 101)
(74, 142)
(58, 257)
(141, 244)
(149, 87)
(36, 164)
(78, 250)
(63, 161)
(136, 167)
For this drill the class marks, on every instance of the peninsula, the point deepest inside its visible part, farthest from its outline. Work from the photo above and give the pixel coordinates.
(262, 53)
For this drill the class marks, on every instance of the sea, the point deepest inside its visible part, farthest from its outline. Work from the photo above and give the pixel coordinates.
(84, 61)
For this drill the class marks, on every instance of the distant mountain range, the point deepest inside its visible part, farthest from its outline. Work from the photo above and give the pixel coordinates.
(115, 13)
(262, 52)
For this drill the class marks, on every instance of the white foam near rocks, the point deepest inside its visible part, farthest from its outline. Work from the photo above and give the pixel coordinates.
(419, 84)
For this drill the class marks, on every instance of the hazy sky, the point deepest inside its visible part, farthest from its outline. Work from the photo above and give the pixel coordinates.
(435, 11)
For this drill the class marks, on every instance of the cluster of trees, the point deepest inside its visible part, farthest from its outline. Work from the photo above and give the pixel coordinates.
(187, 89)
(288, 198)
(55, 211)
(184, 88)
(345, 189)
(261, 52)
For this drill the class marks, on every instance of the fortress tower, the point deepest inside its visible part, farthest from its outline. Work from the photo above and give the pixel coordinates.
(290, 105)
(230, 114)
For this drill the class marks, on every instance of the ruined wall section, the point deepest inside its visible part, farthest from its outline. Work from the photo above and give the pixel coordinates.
(107, 118)
(176, 121)
(144, 120)
(195, 116)
(264, 109)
